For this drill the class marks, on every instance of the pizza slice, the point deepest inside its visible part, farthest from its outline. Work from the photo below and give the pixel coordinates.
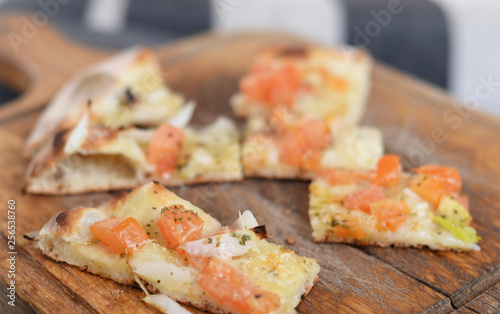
(306, 80)
(167, 245)
(287, 146)
(125, 90)
(98, 158)
(388, 207)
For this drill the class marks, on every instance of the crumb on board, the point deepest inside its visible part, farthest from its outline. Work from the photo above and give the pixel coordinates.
(290, 241)
(287, 211)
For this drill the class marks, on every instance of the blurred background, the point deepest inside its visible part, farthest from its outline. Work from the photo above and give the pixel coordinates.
(451, 43)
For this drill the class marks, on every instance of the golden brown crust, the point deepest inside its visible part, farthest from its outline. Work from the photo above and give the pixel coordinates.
(63, 224)
(309, 287)
(54, 152)
(53, 157)
(71, 102)
(59, 190)
(333, 239)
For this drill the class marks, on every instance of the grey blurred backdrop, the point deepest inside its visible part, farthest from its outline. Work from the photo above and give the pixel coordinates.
(451, 43)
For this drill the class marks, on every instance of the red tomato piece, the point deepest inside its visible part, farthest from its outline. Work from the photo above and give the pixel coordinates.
(388, 170)
(316, 133)
(292, 148)
(234, 290)
(311, 161)
(178, 225)
(272, 85)
(301, 145)
(165, 148)
(429, 188)
(389, 213)
(349, 228)
(362, 199)
(120, 235)
(449, 176)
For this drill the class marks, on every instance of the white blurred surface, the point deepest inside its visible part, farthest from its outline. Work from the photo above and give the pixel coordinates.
(105, 16)
(473, 27)
(322, 21)
(474, 51)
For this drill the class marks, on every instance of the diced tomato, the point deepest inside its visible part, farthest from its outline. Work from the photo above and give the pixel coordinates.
(388, 169)
(120, 235)
(429, 188)
(362, 199)
(292, 147)
(178, 225)
(311, 161)
(316, 133)
(435, 181)
(165, 148)
(449, 176)
(272, 85)
(349, 228)
(389, 213)
(301, 145)
(336, 176)
(233, 290)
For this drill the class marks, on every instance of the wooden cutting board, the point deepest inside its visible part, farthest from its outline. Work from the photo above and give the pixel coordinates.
(420, 122)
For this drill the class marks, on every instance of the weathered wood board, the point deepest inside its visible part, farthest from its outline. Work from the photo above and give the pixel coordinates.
(419, 122)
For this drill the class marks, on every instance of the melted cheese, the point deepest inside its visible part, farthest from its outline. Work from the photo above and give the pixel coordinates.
(346, 102)
(357, 148)
(418, 229)
(279, 270)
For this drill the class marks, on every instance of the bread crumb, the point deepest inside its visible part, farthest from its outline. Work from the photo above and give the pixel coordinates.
(287, 211)
(290, 241)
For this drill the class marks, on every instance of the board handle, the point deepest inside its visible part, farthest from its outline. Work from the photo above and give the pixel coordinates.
(36, 59)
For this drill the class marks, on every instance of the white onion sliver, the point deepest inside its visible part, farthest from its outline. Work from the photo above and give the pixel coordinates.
(170, 276)
(165, 304)
(225, 245)
(246, 220)
(183, 116)
(77, 136)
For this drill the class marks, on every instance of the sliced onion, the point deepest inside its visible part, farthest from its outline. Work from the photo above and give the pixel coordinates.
(165, 304)
(226, 246)
(183, 116)
(77, 136)
(169, 275)
(246, 220)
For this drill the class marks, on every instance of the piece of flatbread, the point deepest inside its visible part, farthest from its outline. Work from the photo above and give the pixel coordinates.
(124, 90)
(396, 216)
(67, 238)
(348, 148)
(96, 158)
(306, 80)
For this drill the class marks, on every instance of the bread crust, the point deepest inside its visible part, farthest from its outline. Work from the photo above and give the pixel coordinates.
(65, 110)
(334, 239)
(244, 108)
(62, 237)
(48, 167)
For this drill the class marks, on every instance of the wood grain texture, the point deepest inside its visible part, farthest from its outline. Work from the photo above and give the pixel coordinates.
(350, 280)
(367, 280)
(469, 143)
(487, 303)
